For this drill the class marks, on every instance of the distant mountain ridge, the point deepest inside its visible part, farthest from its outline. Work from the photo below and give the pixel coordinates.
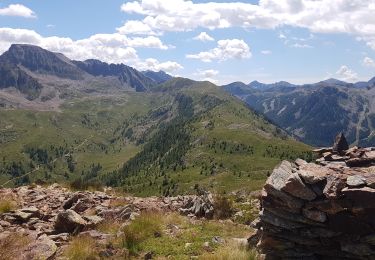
(41, 61)
(125, 74)
(41, 75)
(159, 77)
(315, 113)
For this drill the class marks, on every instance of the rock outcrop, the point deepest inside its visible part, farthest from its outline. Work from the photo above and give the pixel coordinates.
(202, 206)
(322, 210)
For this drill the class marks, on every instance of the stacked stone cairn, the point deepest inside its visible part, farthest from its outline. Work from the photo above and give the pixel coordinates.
(322, 210)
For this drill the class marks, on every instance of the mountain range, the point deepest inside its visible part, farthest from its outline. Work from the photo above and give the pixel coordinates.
(89, 123)
(30, 73)
(315, 113)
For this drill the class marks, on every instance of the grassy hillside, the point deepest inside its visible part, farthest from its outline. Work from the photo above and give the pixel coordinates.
(230, 147)
(184, 136)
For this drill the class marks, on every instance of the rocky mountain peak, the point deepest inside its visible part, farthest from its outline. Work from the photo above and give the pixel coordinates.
(39, 60)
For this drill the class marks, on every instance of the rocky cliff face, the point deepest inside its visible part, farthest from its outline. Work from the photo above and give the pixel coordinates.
(320, 211)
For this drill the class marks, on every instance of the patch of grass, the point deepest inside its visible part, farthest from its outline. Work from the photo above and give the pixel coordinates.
(145, 226)
(12, 245)
(230, 252)
(81, 248)
(177, 236)
(109, 226)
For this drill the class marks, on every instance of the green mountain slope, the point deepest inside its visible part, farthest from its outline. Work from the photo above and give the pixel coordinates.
(210, 140)
(182, 136)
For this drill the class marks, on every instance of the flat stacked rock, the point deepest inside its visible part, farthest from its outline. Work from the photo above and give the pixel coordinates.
(322, 210)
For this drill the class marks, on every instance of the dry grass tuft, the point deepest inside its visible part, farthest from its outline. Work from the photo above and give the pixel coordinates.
(81, 248)
(12, 245)
(7, 204)
(223, 207)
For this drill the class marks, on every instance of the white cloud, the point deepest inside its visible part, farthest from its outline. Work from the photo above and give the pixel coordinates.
(322, 16)
(368, 62)
(136, 27)
(347, 74)
(204, 37)
(155, 65)
(208, 73)
(266, 52)
(112, 48)
(107, 47)
(226, 49)
(17, 10)
(303, 46)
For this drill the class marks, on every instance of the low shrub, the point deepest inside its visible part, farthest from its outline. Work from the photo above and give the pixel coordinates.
(223, 207)
(7, 204)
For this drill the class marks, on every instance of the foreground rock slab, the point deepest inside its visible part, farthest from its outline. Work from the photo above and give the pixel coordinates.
(320, 211)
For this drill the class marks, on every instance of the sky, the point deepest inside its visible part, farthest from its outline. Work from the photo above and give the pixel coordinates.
(300, 41)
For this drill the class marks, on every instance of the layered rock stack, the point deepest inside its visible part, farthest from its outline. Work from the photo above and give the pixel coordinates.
(322, 210)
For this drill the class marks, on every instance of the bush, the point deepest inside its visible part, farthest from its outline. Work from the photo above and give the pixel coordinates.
(7, 204)
(223, 207)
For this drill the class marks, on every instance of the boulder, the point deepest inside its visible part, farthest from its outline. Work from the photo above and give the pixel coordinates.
(69, 221)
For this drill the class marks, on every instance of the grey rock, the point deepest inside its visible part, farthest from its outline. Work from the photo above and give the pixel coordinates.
(284, 179)
(93, 221)
(356, 181)
(69, 221)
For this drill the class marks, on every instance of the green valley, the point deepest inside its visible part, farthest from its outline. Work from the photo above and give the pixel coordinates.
(179, 137)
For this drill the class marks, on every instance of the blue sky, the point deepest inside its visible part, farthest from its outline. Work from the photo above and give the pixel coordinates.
(300, 41)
